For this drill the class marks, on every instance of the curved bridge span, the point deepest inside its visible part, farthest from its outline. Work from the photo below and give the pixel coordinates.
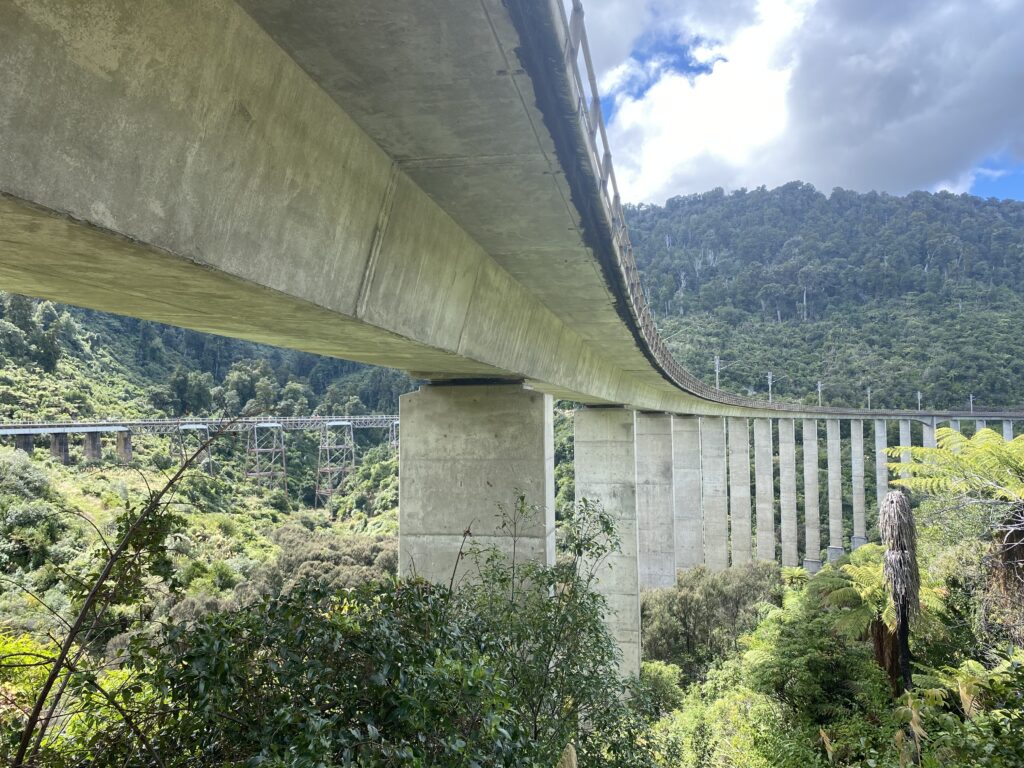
(425, 186)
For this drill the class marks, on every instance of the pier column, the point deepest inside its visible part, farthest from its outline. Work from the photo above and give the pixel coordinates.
(928, 434)
(26, 443)
(764, 489)
(1007, 429)
(787, 492)
(605, 464)
(654, 509)
(467, 453)
(124, 446)
(812, 504)
(954, 424)
(881, 462)
(860, 536)
(905, 442)
(714, 493)
(59, 447)
(835, 490)
(93, 446)
(739, 490)
(686, 471)
(979, 425)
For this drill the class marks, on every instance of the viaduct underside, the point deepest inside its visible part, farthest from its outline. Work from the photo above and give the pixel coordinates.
(422, 186)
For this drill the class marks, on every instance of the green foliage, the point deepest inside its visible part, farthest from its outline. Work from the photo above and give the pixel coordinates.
(701, 619)
(657, 693)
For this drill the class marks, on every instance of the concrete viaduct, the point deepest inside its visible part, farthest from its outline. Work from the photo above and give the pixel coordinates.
(425, 186)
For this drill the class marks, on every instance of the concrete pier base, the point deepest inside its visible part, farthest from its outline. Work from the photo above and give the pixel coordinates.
(740, 530)
(686, 479)
(714, 492)
(835, 489)
(467, 453)
(605, 460)
(93, 446)
(655, 513)
(857, 481)
(1007, 429)
(928, 434)
(764, 489)
(881, 461)
(905, 442)
(787, 492)
(59, 448)
(124, 446)
(26, 443)
(812, 502)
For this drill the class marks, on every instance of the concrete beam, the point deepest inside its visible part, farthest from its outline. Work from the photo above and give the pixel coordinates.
(655, 512)
(860, 536)
(881, 462)
(835, 490)
(686, 476)
(741, 533)
(787, 492)
(714, 492)
(764, 489)
(605, 460)
(467, 453)
(812, 504)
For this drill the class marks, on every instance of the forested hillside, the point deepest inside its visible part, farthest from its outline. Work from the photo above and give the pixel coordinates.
(900, 294)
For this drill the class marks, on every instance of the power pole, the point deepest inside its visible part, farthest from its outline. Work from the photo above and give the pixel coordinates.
(972, 402)
(769, 386)
(718, 371)
(869, 398)
(919, 399)
(819, 394)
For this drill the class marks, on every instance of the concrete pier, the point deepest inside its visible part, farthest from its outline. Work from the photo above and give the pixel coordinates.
(686, 478)
(980, 424)
(928, 434)
(741, 534)
(1007, 429)
(467, 453)
(655, 513)
(835, 490)
(26, 443)
(812, 503)
(860, 536)
(954, 424)
(93, 446)
(605, 459)
(59, 447)
(764, 489)
(124, 447)
(714, 492)
(787, 492)
(881, 461)
(905, 442)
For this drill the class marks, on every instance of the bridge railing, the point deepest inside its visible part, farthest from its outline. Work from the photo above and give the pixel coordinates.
(171, 426)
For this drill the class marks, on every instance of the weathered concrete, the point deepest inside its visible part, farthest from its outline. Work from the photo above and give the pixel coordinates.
(605, 460)
(1007, 429)
(860, 536)
(741, 533)
(93, 446)
(655, 512)
(812, 503)
(928, 434)
(787, 492)
(835, 490)
(686, 477)
(980, 424)
(467, 453)
(59, 448)
(124, 446)
(905, 442)
(714, 492)
(954, 424)
(881, 461)
(26, 443)
(764, 489)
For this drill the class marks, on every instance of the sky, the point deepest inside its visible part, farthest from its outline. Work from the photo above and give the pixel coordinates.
(886, 95)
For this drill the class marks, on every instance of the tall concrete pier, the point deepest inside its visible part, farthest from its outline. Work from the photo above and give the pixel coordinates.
(812, 504)
(881, 461)
(859, 537)
(689, 507)
(655, 512)
(835, 490)
(715, 493)
(764, 489)
(739, 490)
(605, 461)
(787, 492)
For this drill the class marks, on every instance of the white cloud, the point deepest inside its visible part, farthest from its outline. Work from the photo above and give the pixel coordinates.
(873, 94)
